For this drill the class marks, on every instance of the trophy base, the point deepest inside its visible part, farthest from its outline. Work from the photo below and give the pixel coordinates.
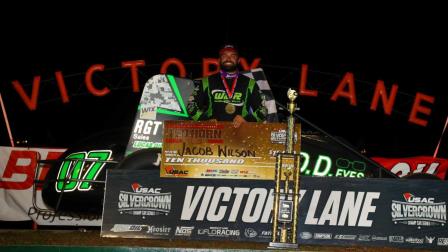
(283, 245)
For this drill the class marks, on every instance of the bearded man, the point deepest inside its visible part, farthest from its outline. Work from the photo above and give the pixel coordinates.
(227, 95)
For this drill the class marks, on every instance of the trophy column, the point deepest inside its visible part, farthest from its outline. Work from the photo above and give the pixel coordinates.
(286, 191)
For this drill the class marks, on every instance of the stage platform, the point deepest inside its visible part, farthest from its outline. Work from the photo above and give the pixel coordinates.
(90, 240)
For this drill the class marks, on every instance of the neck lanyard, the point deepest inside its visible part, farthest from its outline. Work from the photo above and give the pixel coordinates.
(229, 92)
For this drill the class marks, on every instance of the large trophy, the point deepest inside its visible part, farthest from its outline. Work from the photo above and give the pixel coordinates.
(286, 198)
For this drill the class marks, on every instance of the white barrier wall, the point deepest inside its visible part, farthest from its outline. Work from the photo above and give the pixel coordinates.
(17, 171)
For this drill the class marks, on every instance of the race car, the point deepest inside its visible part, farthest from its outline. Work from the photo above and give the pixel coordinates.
(76, 180)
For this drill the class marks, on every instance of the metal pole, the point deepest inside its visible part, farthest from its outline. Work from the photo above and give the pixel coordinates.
(440, 140)
(6, 121)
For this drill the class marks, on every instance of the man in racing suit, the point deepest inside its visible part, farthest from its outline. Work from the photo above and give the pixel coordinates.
(227, 95)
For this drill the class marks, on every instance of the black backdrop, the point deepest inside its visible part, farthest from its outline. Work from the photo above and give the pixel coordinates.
(396, 46)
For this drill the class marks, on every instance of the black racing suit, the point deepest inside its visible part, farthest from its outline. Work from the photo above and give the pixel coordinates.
(209, 100)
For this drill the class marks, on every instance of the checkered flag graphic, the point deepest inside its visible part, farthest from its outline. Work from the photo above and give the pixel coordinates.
(258, 75)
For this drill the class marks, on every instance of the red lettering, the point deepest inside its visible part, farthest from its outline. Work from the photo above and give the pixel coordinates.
(388, 102)
(89, 83)
(12, 167)
(174, 61)
(245, 65)
(417, 108)
(206, 63)
(61, 85)
(31, 103)
(302, 89)
(350, 94)
(133, 65)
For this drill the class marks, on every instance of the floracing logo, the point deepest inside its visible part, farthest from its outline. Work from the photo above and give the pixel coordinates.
(219, 232)
(144, 201)
(418, 211)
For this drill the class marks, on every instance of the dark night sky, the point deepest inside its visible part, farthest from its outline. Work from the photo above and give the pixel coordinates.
(408, 50)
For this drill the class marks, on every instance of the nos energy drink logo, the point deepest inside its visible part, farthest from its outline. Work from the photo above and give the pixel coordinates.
(144, 201)
(418, 211)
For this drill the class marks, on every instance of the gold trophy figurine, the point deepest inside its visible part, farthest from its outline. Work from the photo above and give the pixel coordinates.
(286, 201)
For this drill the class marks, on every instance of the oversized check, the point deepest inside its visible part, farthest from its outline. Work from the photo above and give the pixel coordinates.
(218, 150)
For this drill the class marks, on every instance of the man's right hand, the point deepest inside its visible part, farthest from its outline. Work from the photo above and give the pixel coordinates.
(238, 121)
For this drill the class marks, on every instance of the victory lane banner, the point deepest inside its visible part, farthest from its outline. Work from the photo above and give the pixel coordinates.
(219, 150)
(332, 211)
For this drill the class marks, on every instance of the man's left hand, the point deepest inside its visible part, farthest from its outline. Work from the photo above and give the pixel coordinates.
(238, 120)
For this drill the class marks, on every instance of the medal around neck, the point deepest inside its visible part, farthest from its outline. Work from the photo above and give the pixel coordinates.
(230, 108)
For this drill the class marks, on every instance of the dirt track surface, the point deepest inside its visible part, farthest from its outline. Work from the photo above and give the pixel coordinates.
(92, 238)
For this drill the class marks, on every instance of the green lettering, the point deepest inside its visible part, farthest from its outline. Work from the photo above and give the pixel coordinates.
(95, 168)
(67, 175)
